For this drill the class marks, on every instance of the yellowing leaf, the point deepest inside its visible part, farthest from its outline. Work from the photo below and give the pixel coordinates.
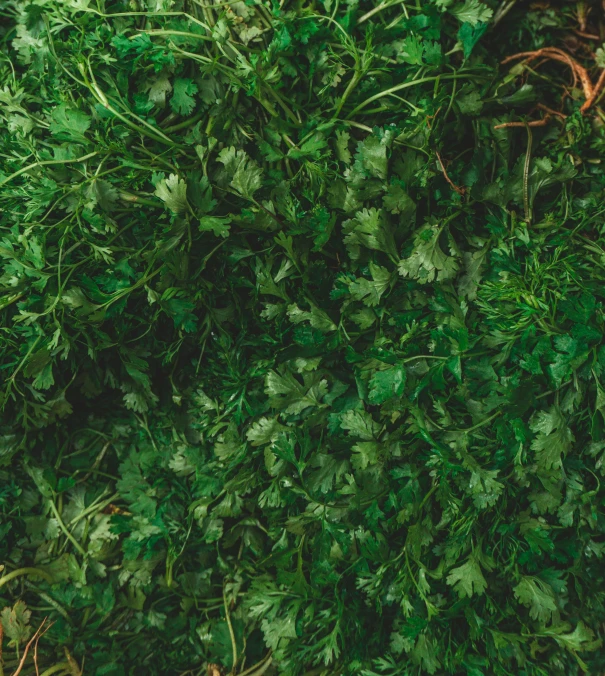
(15, 622)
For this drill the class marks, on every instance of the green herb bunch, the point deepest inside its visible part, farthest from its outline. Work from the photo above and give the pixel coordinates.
(301, 338)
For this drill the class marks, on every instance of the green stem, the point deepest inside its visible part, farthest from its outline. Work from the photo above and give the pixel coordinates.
(184, 34)
(45, 163)
(231, 632)
(259, 668)
(481, 424)
(424, 356)
(154, 134)
(526, 166)
(397, 88)
(24, 360)
(186, 123)
(351, 86)
(63, 666)
(94, 508)
(427, 496)
(66, 532)
(379, 8)
(128, 197)
(282, 105)
(25, 571)
(11, 300)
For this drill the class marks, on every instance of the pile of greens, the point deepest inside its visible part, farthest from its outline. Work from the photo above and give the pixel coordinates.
(301, 338)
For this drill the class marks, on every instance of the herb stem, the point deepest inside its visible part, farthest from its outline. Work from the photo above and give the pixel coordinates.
(379, 8)
(25, 571)
(62, 666)
(231, 632)
(64, 528)
(526, 204)
(46, 163)
(399, 87)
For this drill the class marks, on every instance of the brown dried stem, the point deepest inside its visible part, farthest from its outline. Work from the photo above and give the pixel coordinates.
(546, 109)
(534, 123)
(451, 183)
(42, 629)
(588, 36)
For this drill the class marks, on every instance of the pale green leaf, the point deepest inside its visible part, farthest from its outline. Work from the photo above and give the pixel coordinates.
(360, 424)
(369, 229)
(553, 438)
(264, 431)
(173, 192)
(538, 597)
(246, 175)
(467, 579)
(15, 623)
(472, 11)
(427, 261)
(387, 384)
(342, 146)
(316, 317)
(368, 291)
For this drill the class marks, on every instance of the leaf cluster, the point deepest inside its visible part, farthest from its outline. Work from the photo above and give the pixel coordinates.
(302, 359)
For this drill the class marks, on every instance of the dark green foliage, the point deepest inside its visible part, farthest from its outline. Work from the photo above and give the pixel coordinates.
(302, 360)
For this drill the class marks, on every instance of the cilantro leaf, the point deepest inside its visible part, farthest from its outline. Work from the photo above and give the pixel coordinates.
(467, 579)
(246, 175)
(15, 623)
(427, 261)
(183, 95)
(553, 438)
(472, 12)
(69, 124)
(173, 192)
(538, 597)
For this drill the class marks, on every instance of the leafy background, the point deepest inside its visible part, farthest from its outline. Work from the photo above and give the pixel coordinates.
(301, 357)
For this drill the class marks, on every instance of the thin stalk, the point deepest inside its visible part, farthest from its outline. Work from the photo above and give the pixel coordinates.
(380, 7)
(25, 571)
(46, 163)
(526, 166)
(351, 86)
(185, 34)
(397, 88)
(231, 632)
(154, 133)
(65, 530)
(186, 123)
(62, 666)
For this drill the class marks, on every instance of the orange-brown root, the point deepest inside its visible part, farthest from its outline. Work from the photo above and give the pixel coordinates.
(555, 54)
(596, 92)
